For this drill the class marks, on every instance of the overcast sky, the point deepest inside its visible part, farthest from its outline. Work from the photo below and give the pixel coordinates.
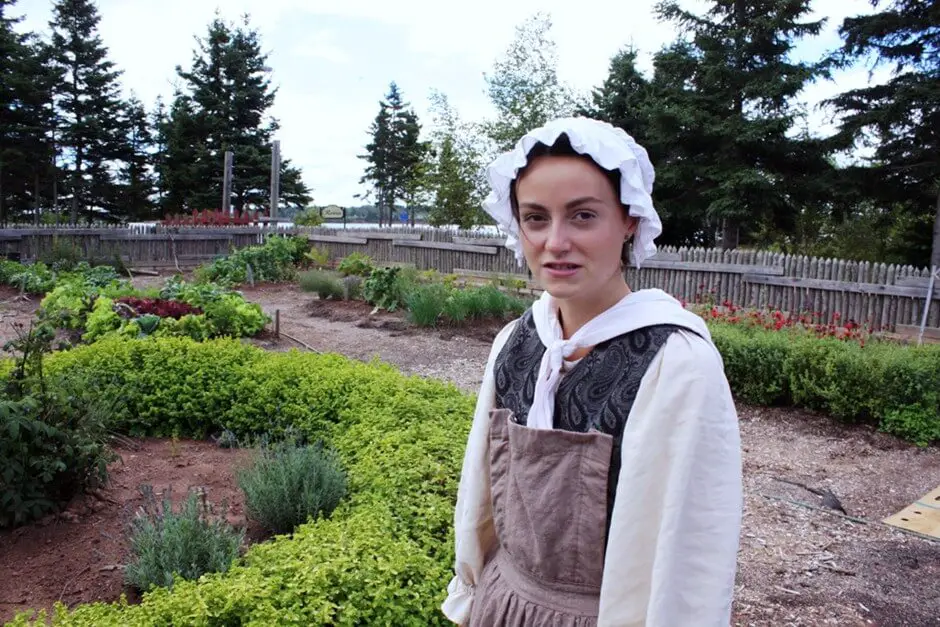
(333, 61)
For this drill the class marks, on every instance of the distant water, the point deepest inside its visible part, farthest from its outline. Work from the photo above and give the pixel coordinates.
(484, 230)
(488, 229)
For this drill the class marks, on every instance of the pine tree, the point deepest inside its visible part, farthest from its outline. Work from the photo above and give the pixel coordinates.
(26, 121)
(623, 99)
(225, 108)
(396, 155)
(899, 119)
(89, 107)
(137, 180)
(730, 89)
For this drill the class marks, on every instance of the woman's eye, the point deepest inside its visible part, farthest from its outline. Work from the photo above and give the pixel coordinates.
(584, 215)
(533, 217)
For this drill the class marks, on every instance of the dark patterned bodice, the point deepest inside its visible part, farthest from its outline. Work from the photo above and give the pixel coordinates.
(596, 393)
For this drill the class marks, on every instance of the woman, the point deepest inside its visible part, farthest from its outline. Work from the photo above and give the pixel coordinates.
(602, 478)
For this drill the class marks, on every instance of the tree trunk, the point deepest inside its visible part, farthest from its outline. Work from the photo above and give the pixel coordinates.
(730, 233)
(935, 245)
(2, 205)
(37, 209)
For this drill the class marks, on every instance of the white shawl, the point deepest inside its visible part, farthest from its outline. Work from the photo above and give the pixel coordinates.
(672, 550)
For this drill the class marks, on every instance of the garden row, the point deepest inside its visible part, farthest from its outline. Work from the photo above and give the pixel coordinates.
(86, 303)
(382, 557)
(384, 554)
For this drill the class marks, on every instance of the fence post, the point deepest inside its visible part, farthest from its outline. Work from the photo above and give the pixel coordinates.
(275, 177)
(227, 183)
(934, 274)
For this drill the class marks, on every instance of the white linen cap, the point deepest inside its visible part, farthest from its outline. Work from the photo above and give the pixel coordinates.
(611, 148)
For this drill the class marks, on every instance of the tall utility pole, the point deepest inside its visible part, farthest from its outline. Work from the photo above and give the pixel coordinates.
(275, 177)
(227, 183)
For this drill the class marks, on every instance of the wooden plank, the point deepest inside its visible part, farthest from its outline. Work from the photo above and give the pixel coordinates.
(664, 256)
(166, 237)
(392, 236)
(922, 516)
(10, 238)
(916, 281)
(338, 239)
(704, 266)
(913, 330)
(482, 274)
(480, 241)
(838, 286)
(486, 250)
(63, 232)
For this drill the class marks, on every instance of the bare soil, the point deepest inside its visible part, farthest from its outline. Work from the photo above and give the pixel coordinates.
(78, 555)
(800, 562)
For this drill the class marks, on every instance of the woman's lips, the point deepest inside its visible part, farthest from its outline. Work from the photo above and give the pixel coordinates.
(561, 270)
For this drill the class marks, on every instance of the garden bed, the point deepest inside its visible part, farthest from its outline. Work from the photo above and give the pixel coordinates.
(797, 566)
(77, 556)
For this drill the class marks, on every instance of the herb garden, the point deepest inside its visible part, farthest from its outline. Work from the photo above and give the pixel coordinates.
(368, 455)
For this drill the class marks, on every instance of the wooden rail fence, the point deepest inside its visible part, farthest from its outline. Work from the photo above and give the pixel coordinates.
(885, 296)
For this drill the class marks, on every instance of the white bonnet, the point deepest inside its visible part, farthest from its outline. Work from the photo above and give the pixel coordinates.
(611, 148)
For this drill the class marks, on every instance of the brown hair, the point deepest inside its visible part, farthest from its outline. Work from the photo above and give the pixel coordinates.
(562, 148)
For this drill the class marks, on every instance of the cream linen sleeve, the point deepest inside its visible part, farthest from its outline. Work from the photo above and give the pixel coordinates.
(672, 551)
(474, 531)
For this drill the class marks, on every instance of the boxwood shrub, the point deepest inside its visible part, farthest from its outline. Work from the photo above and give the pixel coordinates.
(385, 555)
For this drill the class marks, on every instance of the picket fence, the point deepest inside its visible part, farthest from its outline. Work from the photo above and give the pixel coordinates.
(883, 296)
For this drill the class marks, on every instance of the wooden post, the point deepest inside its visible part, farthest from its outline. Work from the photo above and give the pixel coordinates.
(934, 273)
(275, 177)
(227, 183)
(277, 323)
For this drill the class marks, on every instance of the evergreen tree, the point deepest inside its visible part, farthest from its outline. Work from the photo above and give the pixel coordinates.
(224, 107)
(729, 90)
(26, 121)
(89, 107)
(899, 119)
(455, 174)
(182, 157)
(624, 98)
(137, 180)
(396, 156)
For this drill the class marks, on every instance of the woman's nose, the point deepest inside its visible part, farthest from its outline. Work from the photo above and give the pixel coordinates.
(558, 239)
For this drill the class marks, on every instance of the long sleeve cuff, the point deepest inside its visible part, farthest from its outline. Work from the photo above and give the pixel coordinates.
(459, 601)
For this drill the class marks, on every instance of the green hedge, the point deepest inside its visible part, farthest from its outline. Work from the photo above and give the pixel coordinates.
(893, 387)
(384, 557)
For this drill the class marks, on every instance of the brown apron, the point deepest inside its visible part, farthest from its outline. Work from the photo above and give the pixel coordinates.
(549, 491)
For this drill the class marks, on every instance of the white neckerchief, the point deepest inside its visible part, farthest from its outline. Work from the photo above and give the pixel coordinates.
(634, 311)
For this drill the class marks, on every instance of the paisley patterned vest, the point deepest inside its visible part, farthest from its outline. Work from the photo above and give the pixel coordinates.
(596, 393)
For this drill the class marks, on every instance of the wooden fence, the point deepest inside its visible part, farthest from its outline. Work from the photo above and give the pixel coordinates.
(887, 297)
(884, 296)
(145, 247)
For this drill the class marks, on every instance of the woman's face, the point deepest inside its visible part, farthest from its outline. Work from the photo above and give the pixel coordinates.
(573, 227)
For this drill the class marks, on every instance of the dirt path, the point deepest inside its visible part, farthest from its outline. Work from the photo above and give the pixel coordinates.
(797, 566)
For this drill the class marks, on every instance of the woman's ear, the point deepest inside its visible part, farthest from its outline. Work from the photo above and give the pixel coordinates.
(632, 225)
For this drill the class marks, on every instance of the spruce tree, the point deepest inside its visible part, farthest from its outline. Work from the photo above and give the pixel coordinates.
(137, 184)
(395, 155)
(223, 106)
(89, 109)
(730, 88)
(899, 120)
(27, 168)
